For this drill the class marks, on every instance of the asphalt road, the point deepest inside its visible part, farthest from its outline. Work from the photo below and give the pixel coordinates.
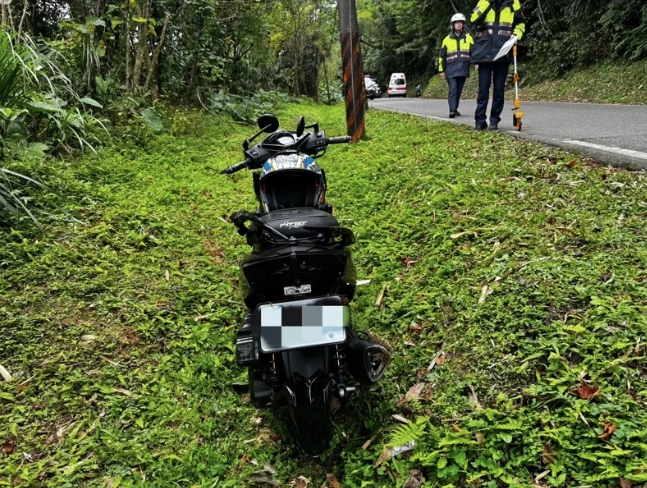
(611, 134)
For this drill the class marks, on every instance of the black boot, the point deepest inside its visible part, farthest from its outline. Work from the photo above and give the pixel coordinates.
(481, 125)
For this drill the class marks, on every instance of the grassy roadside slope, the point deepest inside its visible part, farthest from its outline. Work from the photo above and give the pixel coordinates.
(525, 266)
(604, 83)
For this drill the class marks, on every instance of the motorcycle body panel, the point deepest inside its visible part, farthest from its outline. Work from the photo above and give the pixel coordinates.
(300, 258)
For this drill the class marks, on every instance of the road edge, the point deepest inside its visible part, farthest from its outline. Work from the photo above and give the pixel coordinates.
(614, 160)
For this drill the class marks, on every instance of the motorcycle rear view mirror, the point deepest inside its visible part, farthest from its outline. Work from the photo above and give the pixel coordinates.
(268, 123)
(301, 126)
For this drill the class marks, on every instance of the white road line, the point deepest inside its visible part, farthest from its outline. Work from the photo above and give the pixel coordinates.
(409, 113)
(612, 149)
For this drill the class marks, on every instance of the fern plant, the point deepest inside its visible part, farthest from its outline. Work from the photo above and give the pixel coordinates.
(404, 434)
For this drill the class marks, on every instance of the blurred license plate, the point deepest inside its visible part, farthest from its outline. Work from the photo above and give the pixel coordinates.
(286, 326)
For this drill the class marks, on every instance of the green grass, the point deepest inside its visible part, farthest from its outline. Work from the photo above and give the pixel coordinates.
(603, 83)
(525, 265)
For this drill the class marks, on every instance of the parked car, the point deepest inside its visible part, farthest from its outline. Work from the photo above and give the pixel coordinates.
(372, 89)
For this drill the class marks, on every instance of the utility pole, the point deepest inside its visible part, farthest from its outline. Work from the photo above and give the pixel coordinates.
(354, 91)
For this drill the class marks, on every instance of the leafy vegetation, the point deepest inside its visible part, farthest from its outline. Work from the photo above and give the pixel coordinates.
(560, 35)
(603, 83)
(71, 70)
(515, 301)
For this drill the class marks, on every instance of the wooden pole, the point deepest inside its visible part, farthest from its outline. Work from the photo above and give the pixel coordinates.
(354, 91)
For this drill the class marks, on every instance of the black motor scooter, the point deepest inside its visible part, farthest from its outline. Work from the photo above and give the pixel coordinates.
(297, 340)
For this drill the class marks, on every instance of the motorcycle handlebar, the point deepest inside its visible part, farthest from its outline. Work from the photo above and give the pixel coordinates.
(235, 167)
(339, 140)
(247, 162)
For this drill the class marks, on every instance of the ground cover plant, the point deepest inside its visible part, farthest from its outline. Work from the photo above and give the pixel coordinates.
(600, 83)
(514, 297)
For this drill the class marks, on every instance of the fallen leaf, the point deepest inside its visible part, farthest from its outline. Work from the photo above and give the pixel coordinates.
(331, 479)
(609, 429)
(246, 398)
(473, 399)
(460, 234)
(480, 438)
(416, 327)
(414, 392)
(380, 298)
(168, 275)
(110, 361)
(625, 483)
(542, 475)
(199, 318)
(400, 418)
(548, 455)
(434, 361)
(588, 391)
(628, 353)
(441, 359)
(87, 339)
(266, 475)
(415, 479)
(456, 428)
(386, 454)
(24, 385)
(9, 446)
(334, 405)
(123, 392)
(4, 373)
(409, 262)
(301, 482)
(485, 291)
(366, 444)
(260, 437)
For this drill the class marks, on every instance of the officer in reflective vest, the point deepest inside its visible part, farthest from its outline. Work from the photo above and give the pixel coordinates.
(496, 21)
(454, 61)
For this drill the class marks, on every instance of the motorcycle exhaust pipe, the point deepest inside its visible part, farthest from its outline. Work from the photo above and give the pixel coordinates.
(367, 361)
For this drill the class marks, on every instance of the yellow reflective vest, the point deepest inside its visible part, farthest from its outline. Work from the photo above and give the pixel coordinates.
(495, 21)
(455, 55)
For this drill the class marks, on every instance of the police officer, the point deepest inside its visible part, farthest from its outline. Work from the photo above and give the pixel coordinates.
(496, 21)
(454, 61)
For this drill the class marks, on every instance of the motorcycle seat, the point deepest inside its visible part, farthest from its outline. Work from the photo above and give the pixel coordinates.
(300, 222)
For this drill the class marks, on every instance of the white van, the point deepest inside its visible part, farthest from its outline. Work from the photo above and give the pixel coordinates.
(398, 85)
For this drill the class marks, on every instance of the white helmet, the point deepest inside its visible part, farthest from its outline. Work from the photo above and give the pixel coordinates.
(458, 18)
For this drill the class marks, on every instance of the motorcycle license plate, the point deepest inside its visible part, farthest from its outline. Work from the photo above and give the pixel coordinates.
(294, 326)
